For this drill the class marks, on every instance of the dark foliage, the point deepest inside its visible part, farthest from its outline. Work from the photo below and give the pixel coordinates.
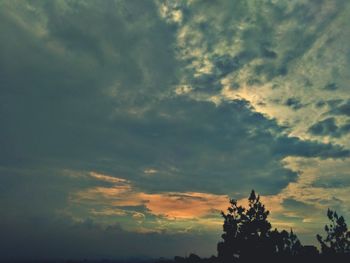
(248, 237)
(337, 240)
(248, 230)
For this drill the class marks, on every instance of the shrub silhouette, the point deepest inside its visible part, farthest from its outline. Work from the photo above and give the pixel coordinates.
(338, 236)
(247, 230)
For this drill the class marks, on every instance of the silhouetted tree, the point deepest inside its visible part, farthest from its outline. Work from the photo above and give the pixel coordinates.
(245, 230)
(247, 234)
(338, 236)
(254, 229)
(229, 249)
(285, 244)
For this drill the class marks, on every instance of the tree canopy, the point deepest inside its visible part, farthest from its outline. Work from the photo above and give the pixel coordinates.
(248, 230)
(337, 240)
(248, 237)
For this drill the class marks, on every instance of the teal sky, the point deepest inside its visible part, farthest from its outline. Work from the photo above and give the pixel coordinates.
(127, 125)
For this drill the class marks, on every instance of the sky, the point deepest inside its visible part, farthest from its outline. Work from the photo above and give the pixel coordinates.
(126, 126)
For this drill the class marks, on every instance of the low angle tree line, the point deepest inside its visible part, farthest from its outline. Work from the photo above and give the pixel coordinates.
(248, 237)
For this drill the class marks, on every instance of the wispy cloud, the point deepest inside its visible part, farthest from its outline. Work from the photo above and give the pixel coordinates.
(171, 205)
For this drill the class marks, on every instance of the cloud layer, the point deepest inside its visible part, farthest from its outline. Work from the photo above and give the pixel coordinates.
(136, 120)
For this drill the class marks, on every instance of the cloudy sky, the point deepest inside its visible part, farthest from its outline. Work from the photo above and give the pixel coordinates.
(127, 125)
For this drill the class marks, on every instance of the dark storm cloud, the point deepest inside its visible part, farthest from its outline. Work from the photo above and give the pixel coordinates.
(329, 127)
(216, 147)
(80, 112)
(88, 86)
(342, 109)
(293, 146)
(325, 127)
(330, 103)
(294, 103)
(331, 86)
(62, 108)
(74, 77)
